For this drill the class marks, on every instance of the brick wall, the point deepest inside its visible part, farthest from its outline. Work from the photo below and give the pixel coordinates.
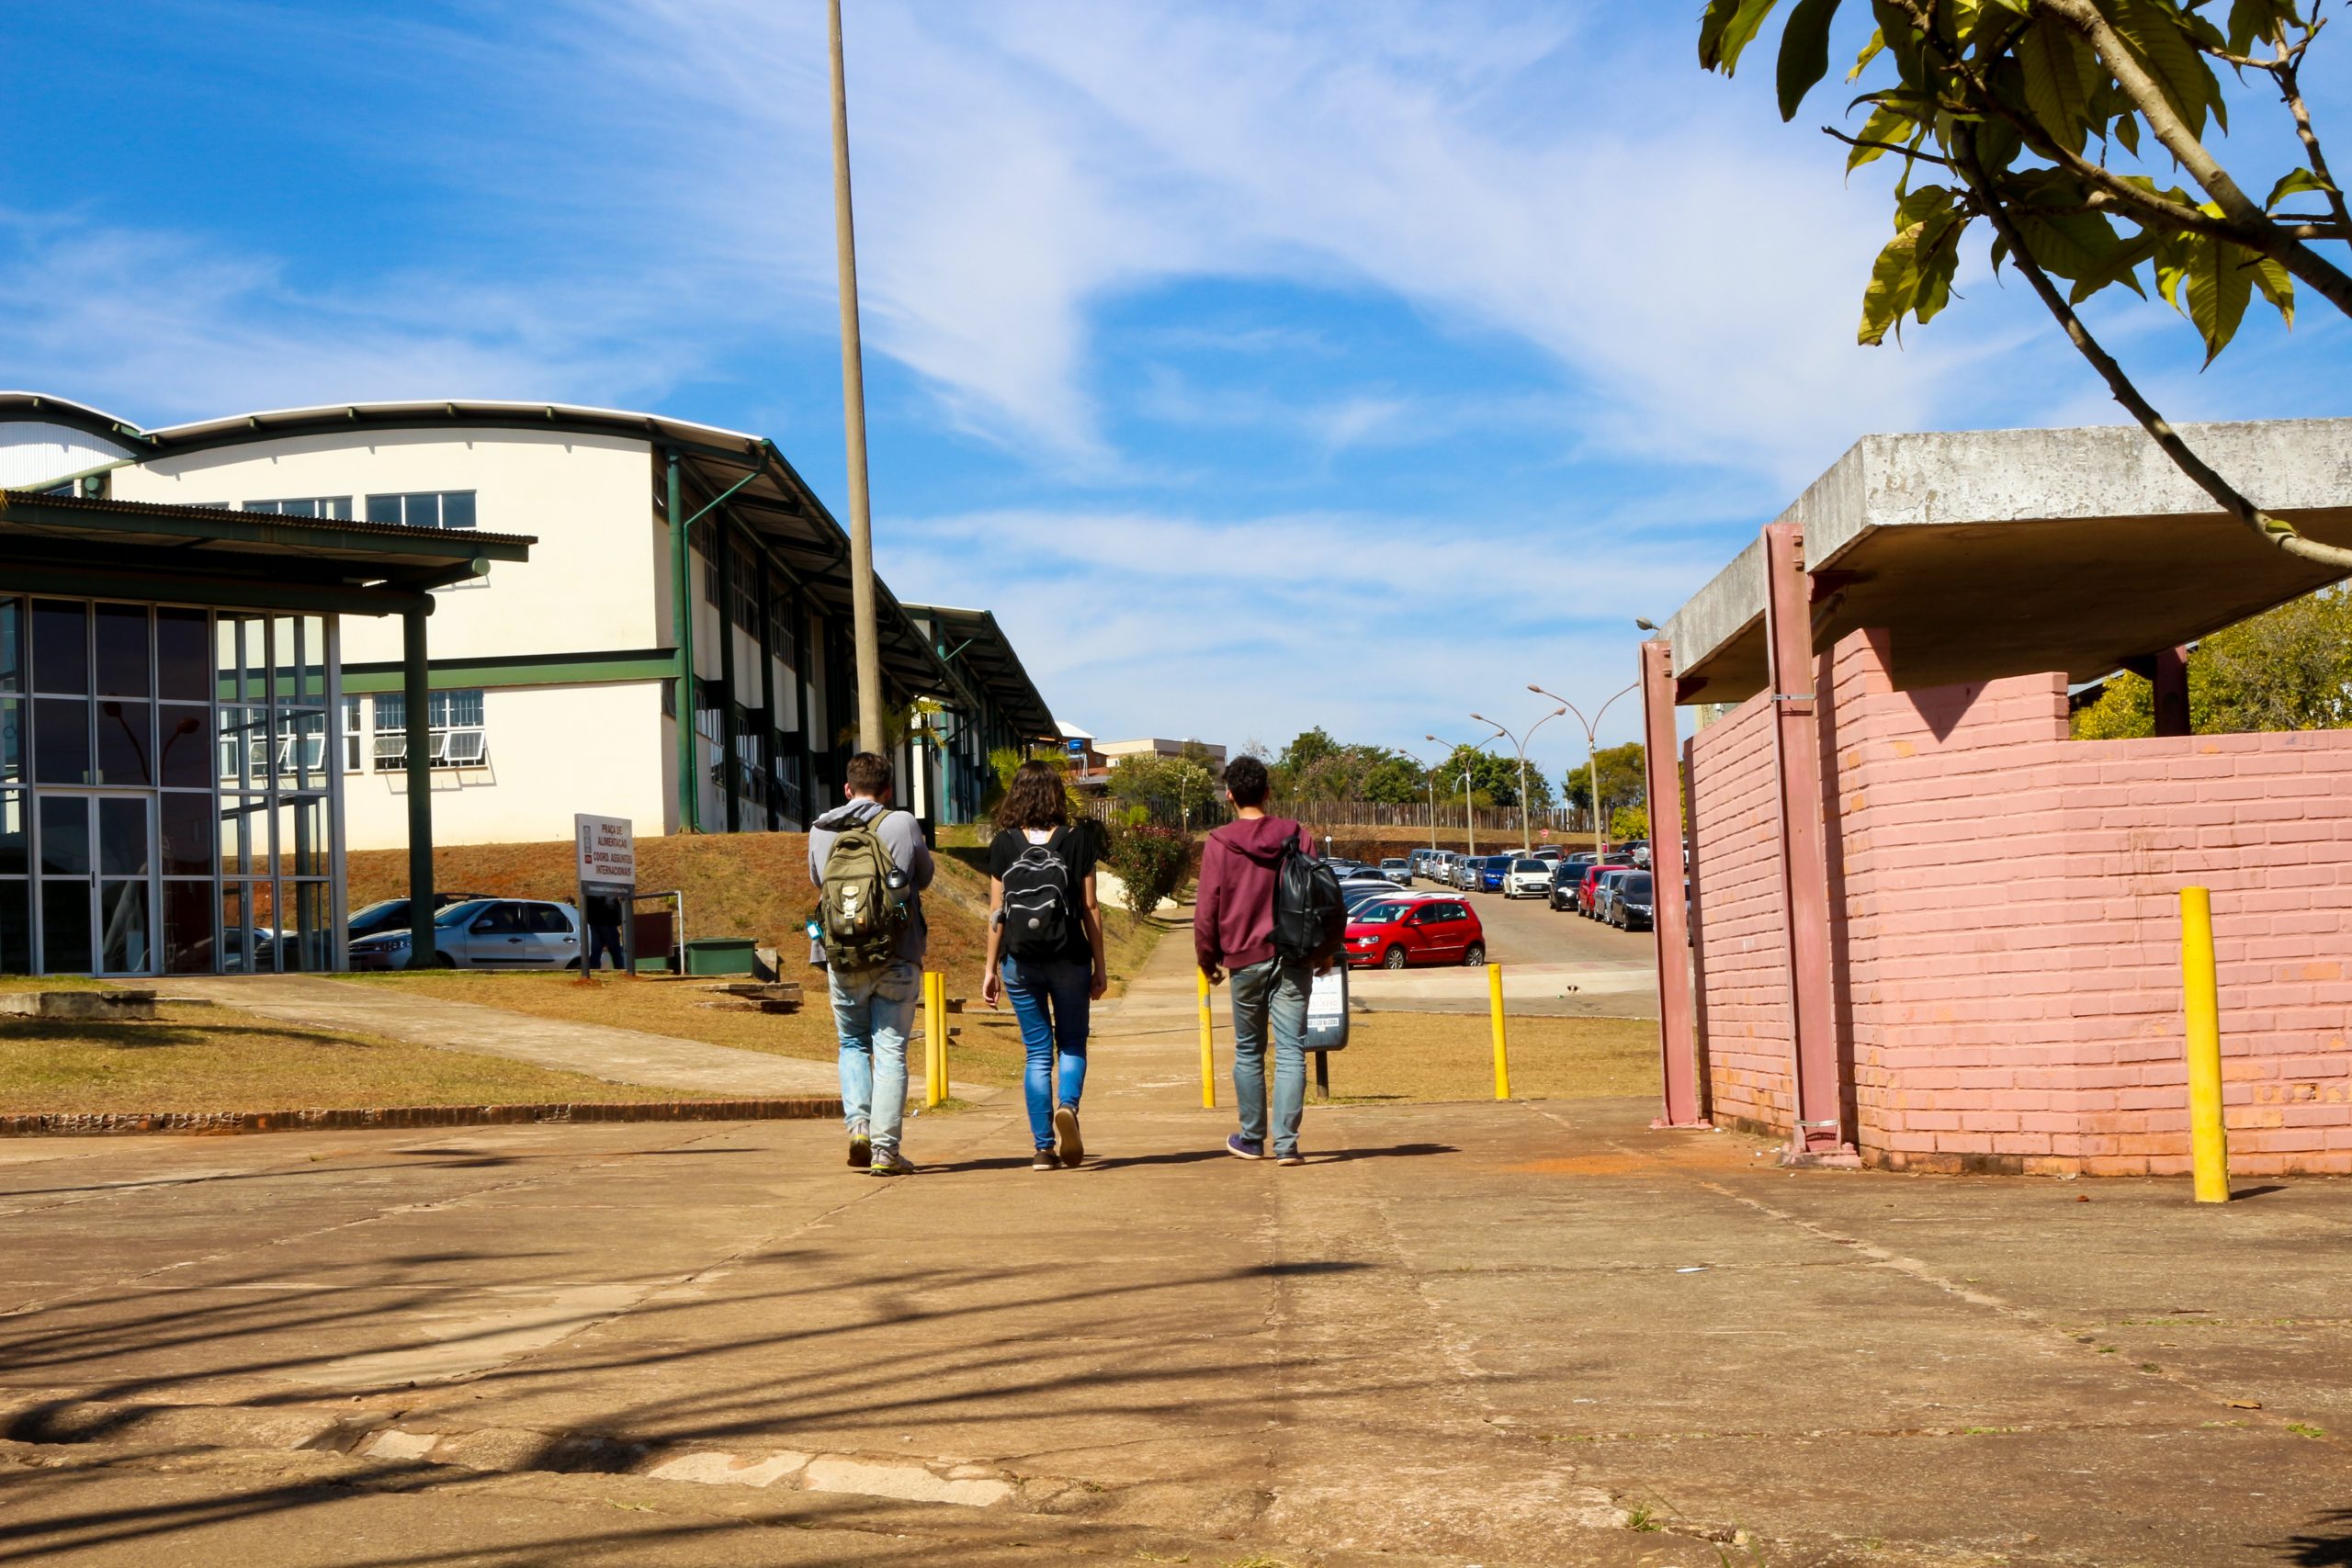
(1742, 1004)
(2006, 928)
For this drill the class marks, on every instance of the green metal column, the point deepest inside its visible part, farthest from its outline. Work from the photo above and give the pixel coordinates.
(728, 727)
(681, 631)
(416, 693)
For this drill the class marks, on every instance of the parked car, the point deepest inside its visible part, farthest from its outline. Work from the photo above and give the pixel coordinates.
(391, 914)
(1583, 901)
(1525, 876)
(1491, 871)
(1633, 907)
(1637, 850)
(1397, 870)
(1427, 928)
(1464, 872)
(1546, 853)
(1604, 892)
(1358, 890)
(486, 933)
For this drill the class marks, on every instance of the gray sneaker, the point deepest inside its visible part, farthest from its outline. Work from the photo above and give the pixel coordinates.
(890, 1162)
(861, 1148)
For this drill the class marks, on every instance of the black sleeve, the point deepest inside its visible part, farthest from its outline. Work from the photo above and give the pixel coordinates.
(1082, 853)
(1001, 855)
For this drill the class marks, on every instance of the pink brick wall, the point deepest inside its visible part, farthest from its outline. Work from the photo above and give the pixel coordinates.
(2007, 928)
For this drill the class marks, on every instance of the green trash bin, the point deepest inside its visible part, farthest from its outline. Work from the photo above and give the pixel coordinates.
(721, 956)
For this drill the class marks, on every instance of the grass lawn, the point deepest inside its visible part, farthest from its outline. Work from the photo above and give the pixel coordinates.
(1432, 1056)
(211, 1058)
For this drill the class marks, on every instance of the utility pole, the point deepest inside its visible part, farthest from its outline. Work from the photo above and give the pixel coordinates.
(1521, 743)
(866, 635)
(1469, 807)
(1591, 756)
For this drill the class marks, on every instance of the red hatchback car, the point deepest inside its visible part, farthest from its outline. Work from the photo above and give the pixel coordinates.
(1592, 875)
(1430, 928)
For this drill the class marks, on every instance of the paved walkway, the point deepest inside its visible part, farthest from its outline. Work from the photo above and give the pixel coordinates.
(617, 1056)
(1473, 1333)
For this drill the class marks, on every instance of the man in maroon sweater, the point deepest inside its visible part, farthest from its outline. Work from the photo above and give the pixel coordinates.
(1233, 928)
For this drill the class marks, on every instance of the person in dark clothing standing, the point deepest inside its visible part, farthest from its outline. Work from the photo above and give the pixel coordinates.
(1233, 928)
(605, 933)
(1045, 950)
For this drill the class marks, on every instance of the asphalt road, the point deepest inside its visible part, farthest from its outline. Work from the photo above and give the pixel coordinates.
(1554, 962)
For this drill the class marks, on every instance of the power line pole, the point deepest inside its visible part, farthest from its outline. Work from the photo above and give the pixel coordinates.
(867, 638)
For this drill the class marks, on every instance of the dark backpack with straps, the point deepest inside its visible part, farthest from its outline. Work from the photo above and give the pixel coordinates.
(864, 901)
(1310, 914)
(1040, 900)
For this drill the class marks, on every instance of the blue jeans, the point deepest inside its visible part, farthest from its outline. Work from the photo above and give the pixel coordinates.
(1051, 997)
(874, 1012)
(1273, 992)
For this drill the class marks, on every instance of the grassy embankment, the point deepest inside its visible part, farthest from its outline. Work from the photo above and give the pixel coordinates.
(752, 884)
(1439, 1056)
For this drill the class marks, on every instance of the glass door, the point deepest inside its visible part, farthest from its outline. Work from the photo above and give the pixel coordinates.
(124, 886)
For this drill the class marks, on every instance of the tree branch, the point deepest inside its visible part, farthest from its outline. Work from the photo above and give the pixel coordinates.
(1895, 147)
(2274, 531)
(2290, 87)
(2250, 226)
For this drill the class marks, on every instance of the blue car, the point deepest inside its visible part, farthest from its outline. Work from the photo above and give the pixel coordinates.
(1491, 871)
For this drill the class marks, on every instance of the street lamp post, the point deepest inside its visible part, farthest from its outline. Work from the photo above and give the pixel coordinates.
(1469, 811)
(1591, 756)
(1521, 743)
(1429, 774)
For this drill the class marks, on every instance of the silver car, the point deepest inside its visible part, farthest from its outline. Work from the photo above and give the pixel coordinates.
(486, 933)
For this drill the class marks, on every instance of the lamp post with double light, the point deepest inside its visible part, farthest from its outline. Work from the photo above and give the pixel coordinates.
(1521, 742)
(1469, 809)
(1429, 775)
(1592, 758)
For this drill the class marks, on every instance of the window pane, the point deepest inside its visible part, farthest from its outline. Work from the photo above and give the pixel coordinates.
(15, 928)
(122, 838)
(184, 746)
(302, 836)
(60, 646)
(12, 740)
(313, 663)
(312, 947)
(237, 658)
(245, 748)
(187, 823)
(12, 644)
(458, 509)
(122, 948)
(384, 509)
(125, 742)
(65, 926)
(420, 511)
(15, 848)
(244, 835)
(66, 835)
(122, 650)
(188, 928)
(182, 667)
(62, 740)
(237, 937)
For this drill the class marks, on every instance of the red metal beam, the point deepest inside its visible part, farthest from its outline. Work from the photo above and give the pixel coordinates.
(1819, 1132)
(2170, 679)
(1669, 920)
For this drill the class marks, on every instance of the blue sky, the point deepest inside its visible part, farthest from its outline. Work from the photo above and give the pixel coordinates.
(1261, 365)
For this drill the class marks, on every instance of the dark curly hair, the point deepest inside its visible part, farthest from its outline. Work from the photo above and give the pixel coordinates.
(1037, 798)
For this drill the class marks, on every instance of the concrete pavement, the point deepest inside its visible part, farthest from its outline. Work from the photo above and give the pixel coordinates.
(1466, 1334)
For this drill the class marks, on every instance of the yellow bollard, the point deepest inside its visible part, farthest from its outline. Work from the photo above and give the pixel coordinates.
(2209, 1141)
(1502, 1054)
(935, 1038)
(1208, 1048)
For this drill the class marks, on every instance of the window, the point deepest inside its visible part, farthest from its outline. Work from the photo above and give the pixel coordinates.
(355, 727)
(425, 509)
(460, 738)
(331, 508)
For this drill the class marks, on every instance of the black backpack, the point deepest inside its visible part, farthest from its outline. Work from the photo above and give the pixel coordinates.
(1310, 915)
(1040, 904)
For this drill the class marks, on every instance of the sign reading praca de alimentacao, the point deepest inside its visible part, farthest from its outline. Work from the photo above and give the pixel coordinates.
(607, 850)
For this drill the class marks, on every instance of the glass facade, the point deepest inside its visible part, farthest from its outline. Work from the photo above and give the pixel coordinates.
(166, 800)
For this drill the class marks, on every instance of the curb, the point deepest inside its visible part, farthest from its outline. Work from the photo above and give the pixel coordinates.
(106, 1124)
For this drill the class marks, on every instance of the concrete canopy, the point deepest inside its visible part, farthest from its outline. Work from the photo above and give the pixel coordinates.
(1986, 554)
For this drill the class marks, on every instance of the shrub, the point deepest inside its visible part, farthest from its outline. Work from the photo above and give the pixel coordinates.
(1151, 860)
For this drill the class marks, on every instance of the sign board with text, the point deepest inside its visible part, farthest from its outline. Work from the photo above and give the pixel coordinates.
(607, 851)
(1327, 1009)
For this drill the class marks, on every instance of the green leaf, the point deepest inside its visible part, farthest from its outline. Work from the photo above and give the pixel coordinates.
(2271, 277)
(2121, 267)
(2299, 180)
(1869, 52)
(2252, 21)
(1939, 252)
(1804, 52)
(1725, 29)
(1884, 125)
(2156, 38)
(2220, 283)
(2058, 75)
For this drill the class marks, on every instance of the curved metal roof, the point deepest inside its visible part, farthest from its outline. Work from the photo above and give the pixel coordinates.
(988, 653)
(762, 491)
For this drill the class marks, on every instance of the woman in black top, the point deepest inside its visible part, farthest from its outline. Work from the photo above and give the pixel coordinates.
(1045, 950)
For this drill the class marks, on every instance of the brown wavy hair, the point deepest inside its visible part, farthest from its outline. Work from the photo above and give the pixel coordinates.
(1037, 798)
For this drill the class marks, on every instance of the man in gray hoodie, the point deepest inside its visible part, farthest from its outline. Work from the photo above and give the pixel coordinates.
(873, 1012)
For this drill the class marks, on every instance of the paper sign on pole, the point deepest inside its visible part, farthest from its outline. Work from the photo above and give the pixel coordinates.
(607, 851)
(1327, 1010)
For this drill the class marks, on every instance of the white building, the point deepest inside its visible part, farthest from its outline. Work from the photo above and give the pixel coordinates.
(556, 682)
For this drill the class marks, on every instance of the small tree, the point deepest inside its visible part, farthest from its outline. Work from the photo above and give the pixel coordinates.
(1151, 862)
(2287, 668)
(2035, 111)
(1629, 822)
(1625, 779)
